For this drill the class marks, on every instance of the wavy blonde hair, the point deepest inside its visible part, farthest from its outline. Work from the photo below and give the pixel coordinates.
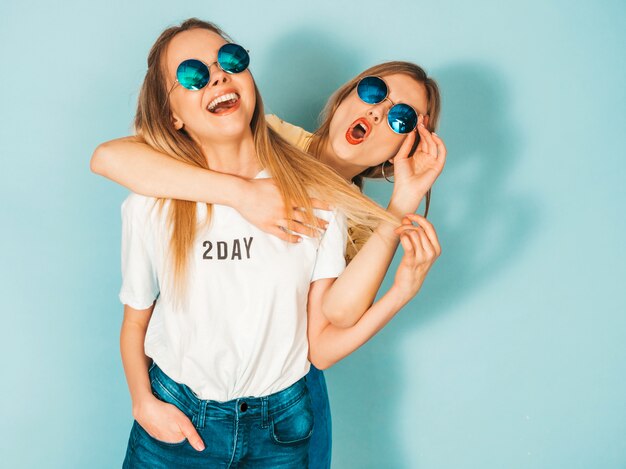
(297, 175)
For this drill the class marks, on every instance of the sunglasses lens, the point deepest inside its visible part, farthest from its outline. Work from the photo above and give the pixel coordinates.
(233, 58)
(372, 90)
(402, 118)
(192, 74)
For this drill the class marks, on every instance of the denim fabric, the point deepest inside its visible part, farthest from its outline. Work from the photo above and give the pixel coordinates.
(321, 440)
(257, 432)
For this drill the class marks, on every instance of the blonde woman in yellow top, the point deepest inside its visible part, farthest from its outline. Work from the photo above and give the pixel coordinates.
(358, 140)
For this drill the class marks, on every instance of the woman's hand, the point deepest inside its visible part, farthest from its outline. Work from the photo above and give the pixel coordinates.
(421, 249)
(166, 422)
(414, 175)
(262, 205)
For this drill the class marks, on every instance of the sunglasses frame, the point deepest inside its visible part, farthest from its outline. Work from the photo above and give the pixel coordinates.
(208, 67)
(386, 98)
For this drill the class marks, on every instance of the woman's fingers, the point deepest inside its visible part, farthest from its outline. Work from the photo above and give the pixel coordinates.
(190, 432)
(411, 232)
(405, 149)
(299, 216)
(424, 252)
(415, 237)
(303, 229)
(441, 151)
(420, 144)
(405, 240)
(298, 226)
(424, 142)
(441, 148)
(427, 236)
(280, 232)
(402, 228)
(414, 255)
(426, 244)
(430, 146)
(428, 229)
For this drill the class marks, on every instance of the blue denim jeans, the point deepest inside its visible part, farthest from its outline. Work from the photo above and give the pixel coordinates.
(321, 440)
(256, 432)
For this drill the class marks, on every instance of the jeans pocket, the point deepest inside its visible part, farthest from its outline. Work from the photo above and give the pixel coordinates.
(143, 432)
(293, 425)
(166, 392)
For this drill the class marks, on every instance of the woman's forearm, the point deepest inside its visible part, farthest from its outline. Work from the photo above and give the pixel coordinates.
(328, 344)
(355, 289)
(143, 170)
(134, 359)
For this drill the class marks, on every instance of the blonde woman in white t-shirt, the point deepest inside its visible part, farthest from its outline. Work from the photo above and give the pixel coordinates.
(214, 338)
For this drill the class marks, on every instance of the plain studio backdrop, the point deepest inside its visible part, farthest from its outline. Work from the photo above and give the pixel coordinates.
(512, 355)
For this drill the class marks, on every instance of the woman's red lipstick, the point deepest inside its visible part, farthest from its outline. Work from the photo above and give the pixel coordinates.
(358, 131)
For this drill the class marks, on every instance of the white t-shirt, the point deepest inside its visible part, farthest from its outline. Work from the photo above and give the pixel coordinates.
(242, 329)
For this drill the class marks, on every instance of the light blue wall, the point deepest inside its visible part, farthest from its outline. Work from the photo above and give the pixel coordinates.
(513, 355)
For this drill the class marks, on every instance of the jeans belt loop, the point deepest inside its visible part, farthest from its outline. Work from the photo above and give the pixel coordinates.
(264, 412)
(202, 405)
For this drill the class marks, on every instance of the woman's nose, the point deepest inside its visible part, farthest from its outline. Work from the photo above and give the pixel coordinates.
(376, 113)
(217, 75)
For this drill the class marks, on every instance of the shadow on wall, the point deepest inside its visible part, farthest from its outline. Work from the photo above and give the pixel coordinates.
(483, 227)
(481, 224)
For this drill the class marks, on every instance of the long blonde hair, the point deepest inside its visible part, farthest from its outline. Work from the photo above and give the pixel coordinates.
(417, 73)
(297, 175)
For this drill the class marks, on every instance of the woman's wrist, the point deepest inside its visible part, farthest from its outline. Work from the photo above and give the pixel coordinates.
(235, 191)
(400, 295)
(400, 209)
(385, 231)
(140, 402)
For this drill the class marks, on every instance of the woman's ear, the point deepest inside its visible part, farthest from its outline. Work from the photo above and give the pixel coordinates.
(177, 122)
(426, 120)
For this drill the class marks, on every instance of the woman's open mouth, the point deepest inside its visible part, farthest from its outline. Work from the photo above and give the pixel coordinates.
(358, 131)
(224, 104)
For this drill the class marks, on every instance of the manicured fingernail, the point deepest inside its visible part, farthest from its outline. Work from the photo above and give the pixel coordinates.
(299, 240)
(434, 134)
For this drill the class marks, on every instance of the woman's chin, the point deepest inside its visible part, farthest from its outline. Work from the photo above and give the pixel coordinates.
(344, 150)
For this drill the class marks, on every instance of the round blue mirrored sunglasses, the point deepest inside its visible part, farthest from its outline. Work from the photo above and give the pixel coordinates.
(194, 74)
(401, 117)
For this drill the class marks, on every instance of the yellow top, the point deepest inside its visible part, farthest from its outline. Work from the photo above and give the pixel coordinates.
(295, 135)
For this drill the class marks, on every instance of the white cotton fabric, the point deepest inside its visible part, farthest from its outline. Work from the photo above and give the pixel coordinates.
(242, 328)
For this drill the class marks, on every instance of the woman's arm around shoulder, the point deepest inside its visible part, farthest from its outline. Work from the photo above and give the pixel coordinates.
(132, 163)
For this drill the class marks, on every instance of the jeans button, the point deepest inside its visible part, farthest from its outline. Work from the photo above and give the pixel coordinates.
(243, 406)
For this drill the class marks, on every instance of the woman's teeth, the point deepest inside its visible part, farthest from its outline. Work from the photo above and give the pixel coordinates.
(228, 98)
